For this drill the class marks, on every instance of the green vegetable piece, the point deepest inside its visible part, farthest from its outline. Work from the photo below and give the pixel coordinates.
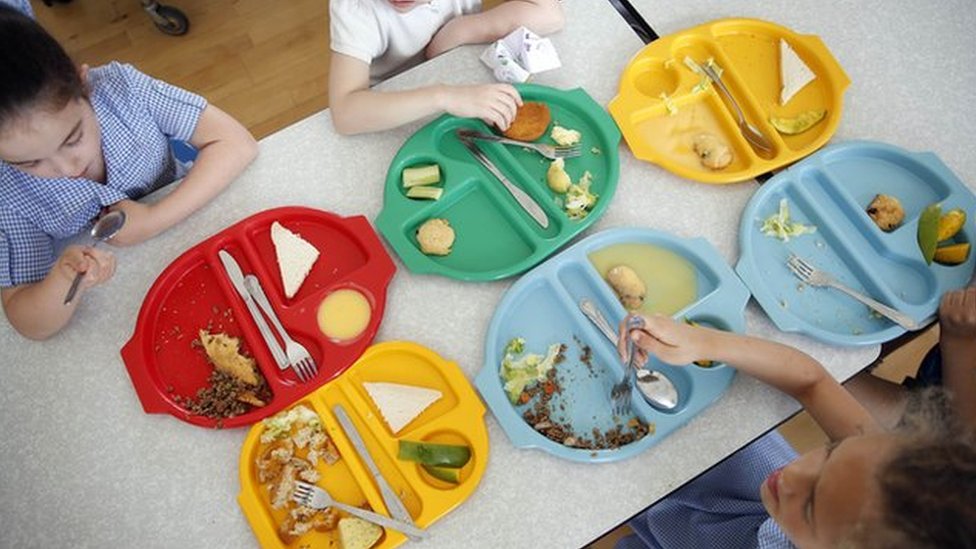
(443, 473)
(435, 455)
(429, 193)
(421, 175)
(928, 231)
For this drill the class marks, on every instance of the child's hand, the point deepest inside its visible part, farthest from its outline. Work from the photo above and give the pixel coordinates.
(98, 265)
(494, 103)
(672, 342)
(957, 314)
(139, 223)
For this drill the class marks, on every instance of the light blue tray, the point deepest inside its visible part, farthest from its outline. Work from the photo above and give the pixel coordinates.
(542, 307)
(831, 189)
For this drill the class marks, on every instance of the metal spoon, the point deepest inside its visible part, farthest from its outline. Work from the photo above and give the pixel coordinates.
(756, 138)
(105, 228)
(655, 387)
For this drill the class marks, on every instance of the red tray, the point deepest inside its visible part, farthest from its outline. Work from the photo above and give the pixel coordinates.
(194, 290)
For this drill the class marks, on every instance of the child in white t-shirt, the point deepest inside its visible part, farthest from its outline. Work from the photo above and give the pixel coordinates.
(375, 39)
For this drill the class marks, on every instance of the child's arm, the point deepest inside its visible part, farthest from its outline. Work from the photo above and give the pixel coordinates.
(540, 16)
(224, 148)
(355, 108)
(783, 367)
(37, 310)
(957, 340)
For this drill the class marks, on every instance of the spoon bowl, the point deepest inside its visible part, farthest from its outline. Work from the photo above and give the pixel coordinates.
(105, 228)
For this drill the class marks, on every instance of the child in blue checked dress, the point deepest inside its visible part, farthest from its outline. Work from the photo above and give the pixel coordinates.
(914, 486)
(76, 142)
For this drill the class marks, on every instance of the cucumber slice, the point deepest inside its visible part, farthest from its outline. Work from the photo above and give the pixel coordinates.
(436, 455)
(421, 175)
(429, 193)
(444, 473)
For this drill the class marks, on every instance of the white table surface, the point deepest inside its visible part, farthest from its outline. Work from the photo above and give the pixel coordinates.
(83, 465)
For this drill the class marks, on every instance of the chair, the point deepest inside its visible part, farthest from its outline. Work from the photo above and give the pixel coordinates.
(168, 20)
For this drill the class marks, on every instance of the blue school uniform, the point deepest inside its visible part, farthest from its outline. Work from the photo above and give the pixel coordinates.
(21, 5)
(721, 508)
(137, 116)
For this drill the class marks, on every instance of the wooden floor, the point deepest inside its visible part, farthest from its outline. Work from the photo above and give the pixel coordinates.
(266, 63)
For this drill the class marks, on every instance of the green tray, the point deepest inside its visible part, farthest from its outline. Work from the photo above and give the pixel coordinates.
(494, 237)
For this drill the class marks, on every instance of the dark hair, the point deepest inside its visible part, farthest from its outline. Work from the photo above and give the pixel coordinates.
(928, 487)
(34, 69)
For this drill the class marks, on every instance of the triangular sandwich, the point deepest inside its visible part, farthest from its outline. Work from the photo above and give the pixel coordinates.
(794, 73)
(400, 404)
(295, 257)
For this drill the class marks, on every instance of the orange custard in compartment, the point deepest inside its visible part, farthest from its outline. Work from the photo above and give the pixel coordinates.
(344, 314)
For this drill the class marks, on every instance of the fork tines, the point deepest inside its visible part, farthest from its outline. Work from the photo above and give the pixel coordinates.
(800, 268)
(305, 369)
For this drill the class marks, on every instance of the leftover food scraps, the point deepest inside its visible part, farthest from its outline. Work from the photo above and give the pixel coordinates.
(630, 289)
(565, 137)
(292, 444)
(295, 257)
(579, 200)
(517, 372)
(556, 176)
(543, 412)
(713, 152)
(794, 74)
(886, 211)
(531, 122)
(799, 123)
(356, 533)
(344, 314)
(779, 225)
(435, 237)
(235, 385)
(675, 278)
(400, 404)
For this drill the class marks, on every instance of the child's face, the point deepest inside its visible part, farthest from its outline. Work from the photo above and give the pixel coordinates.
(819, 498)
(404, 6)
(53, 143)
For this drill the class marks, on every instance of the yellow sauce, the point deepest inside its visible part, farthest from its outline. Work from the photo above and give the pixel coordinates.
(673, 136)
(670, 279)
(343, 314)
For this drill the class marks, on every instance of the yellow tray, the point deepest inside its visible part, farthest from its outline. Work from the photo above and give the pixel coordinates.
(748, 51)
(457, 418)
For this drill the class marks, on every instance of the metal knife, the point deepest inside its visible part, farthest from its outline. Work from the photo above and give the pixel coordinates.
(390, 498)
(520, 196)
(237, 279)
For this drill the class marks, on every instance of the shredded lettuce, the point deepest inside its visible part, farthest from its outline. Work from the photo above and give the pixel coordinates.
(279, 425)
(579, 199)
(517, 373)
(778, 225)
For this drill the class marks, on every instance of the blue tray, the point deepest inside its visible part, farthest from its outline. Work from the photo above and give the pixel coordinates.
(542, 307)
(831, 190)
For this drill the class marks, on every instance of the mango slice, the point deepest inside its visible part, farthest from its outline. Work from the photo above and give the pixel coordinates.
(928, 231)
(951, 223)
(798, 124)
(953, 254)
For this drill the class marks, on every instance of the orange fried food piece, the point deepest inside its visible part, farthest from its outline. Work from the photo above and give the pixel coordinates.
(531, 122)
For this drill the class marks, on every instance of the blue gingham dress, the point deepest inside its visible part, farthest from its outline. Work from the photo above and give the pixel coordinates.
(21, 5)
(137, 116)
(720, 508)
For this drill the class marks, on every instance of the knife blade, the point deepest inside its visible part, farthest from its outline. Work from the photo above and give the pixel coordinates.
(520, 196)
(397, 509)
(236, 277)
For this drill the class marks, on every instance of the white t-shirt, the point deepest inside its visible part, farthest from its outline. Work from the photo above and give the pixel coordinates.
(387, 40)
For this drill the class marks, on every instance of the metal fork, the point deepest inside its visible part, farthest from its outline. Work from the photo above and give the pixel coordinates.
(815, 277)
(315, 497)
(620, 393)
(551, 152)
(299, 357)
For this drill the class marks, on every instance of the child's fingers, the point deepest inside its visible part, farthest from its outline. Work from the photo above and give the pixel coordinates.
(510, 91)
(102, 266)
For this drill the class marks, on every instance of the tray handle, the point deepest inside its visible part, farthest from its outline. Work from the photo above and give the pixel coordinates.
(146, 388)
